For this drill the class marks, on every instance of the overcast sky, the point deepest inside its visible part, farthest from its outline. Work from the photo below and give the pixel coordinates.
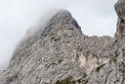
(96, 17)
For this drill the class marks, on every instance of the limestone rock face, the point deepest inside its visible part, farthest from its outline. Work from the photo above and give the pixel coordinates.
(120, 10)
(59, 53)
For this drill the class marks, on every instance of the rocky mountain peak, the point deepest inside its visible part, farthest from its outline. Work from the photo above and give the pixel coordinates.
(61, 19)
(59, 53)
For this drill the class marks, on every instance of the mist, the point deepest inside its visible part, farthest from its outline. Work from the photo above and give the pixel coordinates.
(21, 17)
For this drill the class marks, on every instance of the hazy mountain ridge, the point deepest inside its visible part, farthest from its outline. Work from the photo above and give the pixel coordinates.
(60, 53)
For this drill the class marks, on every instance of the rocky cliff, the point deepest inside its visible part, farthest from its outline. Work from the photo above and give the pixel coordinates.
(60, 53)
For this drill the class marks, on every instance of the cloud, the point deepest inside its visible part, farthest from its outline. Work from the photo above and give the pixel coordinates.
(96, 17)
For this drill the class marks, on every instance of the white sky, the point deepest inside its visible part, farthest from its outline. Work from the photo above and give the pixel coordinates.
(96, 17)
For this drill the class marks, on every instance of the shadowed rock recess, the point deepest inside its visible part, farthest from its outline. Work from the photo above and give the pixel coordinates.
(60, 53)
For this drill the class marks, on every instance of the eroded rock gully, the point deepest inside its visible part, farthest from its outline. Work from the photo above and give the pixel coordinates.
(60, 53)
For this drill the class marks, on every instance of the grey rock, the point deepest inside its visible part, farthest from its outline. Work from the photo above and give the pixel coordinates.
(120, 10)
(59, 53)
